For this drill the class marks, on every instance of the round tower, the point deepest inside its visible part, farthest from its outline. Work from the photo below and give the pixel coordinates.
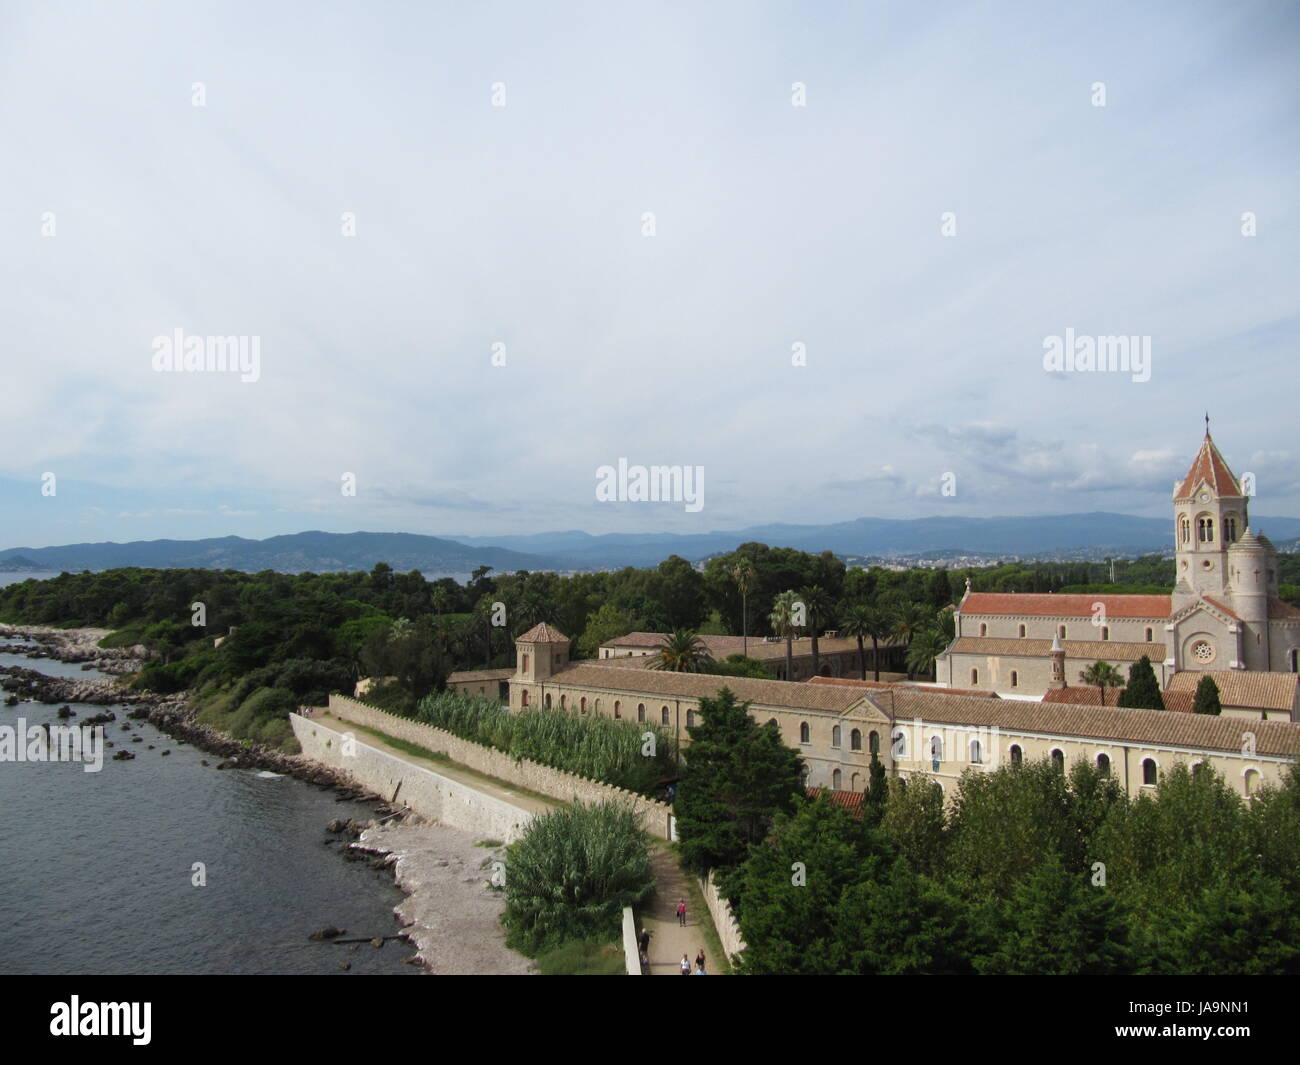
(1252, 578)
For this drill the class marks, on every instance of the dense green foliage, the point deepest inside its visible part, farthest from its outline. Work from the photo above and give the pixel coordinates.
(1031, 871)
(1206, 700)
(739, 775)
(601, 748)
(1142, 692)
(571, 873)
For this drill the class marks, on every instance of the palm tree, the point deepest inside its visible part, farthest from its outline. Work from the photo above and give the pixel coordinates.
(817, 607)
(863, 621)
(682, 651)
(782, 620)
(1102, 675)
(926, 646)
(743, 574)
(909, 621)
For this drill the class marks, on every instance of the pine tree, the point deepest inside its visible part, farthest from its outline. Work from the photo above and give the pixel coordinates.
(739, 776)
(1143, 690)
(1207, 697)
(877, 795)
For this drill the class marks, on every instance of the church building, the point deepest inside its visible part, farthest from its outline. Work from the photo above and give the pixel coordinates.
(1224, 614)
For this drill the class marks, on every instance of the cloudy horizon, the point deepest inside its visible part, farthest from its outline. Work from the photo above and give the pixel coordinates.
(486, 252)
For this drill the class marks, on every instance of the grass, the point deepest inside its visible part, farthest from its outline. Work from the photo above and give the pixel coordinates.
(490, 843)
(583, 957)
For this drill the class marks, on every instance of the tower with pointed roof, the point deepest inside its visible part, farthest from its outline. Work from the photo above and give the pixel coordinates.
(540, 653)
(1209, 516)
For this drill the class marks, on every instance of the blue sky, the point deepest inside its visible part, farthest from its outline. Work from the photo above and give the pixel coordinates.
(523, 225)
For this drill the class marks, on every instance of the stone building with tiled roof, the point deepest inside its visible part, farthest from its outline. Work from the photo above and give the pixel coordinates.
(1224, 614)
(837, 656)
(836, 724)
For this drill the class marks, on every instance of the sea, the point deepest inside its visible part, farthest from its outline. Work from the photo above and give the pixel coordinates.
(100, 872)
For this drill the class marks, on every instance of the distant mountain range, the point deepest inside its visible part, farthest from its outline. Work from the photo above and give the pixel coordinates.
(1072, 534)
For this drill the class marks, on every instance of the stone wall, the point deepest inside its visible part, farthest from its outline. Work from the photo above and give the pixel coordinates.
(428, 793)
(554, 783)
(723, 919)
(631, 952)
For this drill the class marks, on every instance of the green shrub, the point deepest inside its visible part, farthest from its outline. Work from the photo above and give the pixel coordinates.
(572, 872)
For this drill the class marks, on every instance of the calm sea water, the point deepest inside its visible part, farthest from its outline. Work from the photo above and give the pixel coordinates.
(95, 868)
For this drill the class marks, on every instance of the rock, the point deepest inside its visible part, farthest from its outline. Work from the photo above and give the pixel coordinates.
(411, 959)
(166, 753)
(376, 942)
(11, 700)
(229, 763)
(138, 739)
(203, 761)
(336, 825)
(345, 965)
(328, 932)
(67, 711)
(122, 756)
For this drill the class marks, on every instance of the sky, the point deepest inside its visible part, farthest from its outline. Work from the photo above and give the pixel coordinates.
(817, 250)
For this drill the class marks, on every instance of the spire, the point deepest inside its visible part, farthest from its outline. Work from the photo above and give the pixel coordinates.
(1208, 467)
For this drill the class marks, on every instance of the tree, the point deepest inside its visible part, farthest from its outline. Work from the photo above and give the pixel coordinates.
(785, 612)
(607, 623)
(739, 775)
(1206, 700)
(925, 647)
(877, 794)
(1143, 690)
(910, 620)
(862, 622)
(744, 574)
(1102, 675)
(938, 589)
(682, 651)
(1057, 923)
(738, 665)
(789, 889)
(817, 610)
(680, 588)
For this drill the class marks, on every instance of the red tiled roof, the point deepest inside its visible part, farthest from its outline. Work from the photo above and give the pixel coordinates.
(542, 633)
(1072, 605)
(1257, 690)
(1208, 467)
(1083, 695)
(1219, 606)
(1280, 608)
(854, 682)
(850, 800)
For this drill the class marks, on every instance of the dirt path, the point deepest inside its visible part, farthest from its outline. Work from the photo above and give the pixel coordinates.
(668, 939)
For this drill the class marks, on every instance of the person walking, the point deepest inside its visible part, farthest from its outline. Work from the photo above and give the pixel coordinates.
(644, 942)
(681, 912)
(686, 965)
(699, 959)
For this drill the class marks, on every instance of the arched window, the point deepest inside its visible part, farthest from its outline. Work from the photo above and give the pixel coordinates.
(837, 778)
(1200, 769)
(974, 676)
(1148, 633)
(899, 737)
(853, 782)
(855, 740)
(1149, 772)
(835, 736)
(772, 721)
(582, 705)
(873, 742)
(524, 667)
(640, 711)
(1251, 781)
(690, 718)
(803, 774)
(1205, 530)
(976, 754)
(984, 629)
(803, 732)
(663, 716)
(548, 700)
(1060, 631)
(1015, 678)
(564, 702)
(1105, 632)
(524, 699)
(618, 707)
(1103, 764)
(936, 748)
(1020, 631)
(597, 707)
(1230, 528)
(1185, 530)
(1058, 759)
(1017, 755)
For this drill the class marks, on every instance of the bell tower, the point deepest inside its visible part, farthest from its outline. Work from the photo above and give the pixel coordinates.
(1209, 516)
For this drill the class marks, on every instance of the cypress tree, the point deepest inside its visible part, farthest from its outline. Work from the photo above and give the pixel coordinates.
(873, 806)
(1207, 697)
(1143, 690)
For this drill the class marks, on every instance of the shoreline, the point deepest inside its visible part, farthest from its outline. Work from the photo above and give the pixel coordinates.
(432, 864)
